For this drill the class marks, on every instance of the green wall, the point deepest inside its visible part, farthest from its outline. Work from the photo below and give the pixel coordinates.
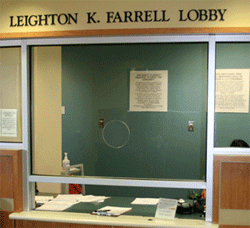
(95, 84)
(231, 126)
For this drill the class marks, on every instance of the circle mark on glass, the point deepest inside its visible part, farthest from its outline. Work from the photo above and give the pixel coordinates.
(116, 134)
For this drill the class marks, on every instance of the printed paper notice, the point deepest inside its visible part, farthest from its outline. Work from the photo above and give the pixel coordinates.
(148, 91)
(8, 122)
(166, 208)
(232, 90)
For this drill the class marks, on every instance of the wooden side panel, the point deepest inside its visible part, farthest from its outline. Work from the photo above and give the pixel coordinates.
(235, 186)
(113, 32)
(11, 177)
(36, 224)
(6, 177)
(39, 224)
(216, 190)
(18, 181)
(229, 226)
(232, 172)
(5, 222)
(87, 226)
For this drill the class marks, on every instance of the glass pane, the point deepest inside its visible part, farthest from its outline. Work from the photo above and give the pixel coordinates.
(232, 95)
(10, 95)
(95, 127)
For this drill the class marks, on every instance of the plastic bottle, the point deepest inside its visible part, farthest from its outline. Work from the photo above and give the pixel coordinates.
(65, 161)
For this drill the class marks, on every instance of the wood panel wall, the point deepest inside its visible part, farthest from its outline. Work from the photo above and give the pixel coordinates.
(6, 177)
(36, 224)
(121, 32)
(231, 186)
(235, 186)
(11, 181)
(229, 226)
(5, 222)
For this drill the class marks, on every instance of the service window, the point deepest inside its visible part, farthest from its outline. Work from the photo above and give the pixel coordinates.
(121, 110)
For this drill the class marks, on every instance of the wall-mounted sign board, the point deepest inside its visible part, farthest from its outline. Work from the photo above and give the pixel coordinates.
(8, 122)
(33, 18)
(232, 90)
(148, 91)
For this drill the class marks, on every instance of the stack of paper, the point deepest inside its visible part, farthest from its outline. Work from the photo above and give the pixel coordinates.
(64, 201)
(55, 205)
(60, 203)
(43, 199)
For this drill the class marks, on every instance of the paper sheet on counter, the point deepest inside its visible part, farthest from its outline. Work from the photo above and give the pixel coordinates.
(91, 198)
(56, 206)
(166, 208)
(145, 201)
(64, 201)
(43, 199)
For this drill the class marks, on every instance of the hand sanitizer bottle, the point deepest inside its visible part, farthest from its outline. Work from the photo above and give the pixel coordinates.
(65, 162)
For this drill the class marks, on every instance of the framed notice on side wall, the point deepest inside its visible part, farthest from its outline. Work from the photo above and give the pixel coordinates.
(148, 91)
(232, 90)
(8, 122)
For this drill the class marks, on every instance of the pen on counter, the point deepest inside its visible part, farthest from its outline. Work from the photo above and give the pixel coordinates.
(102, 212)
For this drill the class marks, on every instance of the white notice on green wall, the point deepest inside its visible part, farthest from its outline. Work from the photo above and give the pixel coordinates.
(8, 122)
(232, 90)
(148, 91)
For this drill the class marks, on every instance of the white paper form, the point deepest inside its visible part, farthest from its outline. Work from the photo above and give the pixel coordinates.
(166, 208)
(145, 201)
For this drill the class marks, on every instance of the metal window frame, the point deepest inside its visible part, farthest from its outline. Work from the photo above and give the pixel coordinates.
(29, 179)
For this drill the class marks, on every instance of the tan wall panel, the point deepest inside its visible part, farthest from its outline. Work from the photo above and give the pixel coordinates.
(47, 114)
(236, 15)
(7, 204)
(234, 217)
(10, 87)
